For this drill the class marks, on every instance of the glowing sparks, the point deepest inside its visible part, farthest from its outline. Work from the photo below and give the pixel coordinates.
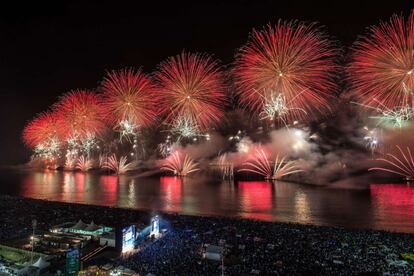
(120, 166)
(179, 165)
(382, 65)
(84, 164)
(127, 130)
(130, 100)
(260, 164)
(401, 163)
(244, 145)
(277, 108)
(225, 166)
(185, 127)
(42, 129)
(192, 87)
(396, 117)
(293, 59)
(371, 139)
(88, 143)
(81, 112)
(48, 151)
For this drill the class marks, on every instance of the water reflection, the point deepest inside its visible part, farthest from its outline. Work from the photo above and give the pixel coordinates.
(395, 201)
(388, 207)
(171, 191)
(256, 199)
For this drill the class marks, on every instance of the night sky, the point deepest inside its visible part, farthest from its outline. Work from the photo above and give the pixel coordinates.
(71, 46)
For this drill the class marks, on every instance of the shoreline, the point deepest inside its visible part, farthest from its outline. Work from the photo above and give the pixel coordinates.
(269, 248)
(166, 214)
(147, 212)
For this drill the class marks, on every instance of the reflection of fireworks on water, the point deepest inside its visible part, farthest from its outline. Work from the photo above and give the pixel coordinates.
(120, 166)
(179, 165)
(260, 164)
(276, 108)
(225, 166)
(401, 163)
(84, 164)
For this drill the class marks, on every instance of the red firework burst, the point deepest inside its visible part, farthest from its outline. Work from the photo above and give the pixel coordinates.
(44, 127)
(382, 68)
(130, 96)
(291, 64)
(193, 88)
(81, 112)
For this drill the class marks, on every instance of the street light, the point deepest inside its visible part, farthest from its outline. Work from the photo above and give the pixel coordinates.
(34, 224)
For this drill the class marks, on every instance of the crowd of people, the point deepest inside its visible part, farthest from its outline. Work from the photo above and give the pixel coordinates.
(250, 247)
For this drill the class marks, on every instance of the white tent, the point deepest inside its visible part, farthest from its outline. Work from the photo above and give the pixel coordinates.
(40, 263)
(92, 227)
(80, 225)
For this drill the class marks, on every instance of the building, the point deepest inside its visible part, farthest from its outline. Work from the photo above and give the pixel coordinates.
(92, 230)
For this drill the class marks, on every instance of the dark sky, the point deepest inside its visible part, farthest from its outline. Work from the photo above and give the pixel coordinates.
(70, 46)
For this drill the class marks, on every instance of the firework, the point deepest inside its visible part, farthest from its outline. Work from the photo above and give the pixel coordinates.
(401, 163)
(193, 89)
(127, 130)
(179, 165)
(244, 144)
(42, 129)
(50, 149)
(186, 128)
(84, 164)
(167, 147)
(371, 139)
(88, 143)
(277, 108)
(225, 166)
(130, 100)
(396, 117)
(261, 165)
(70, 162)
(287, 71)
(82, 113)
(103, 158)
(120, 166)
(382, 67)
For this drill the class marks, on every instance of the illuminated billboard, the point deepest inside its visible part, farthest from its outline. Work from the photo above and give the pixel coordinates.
(128, 238)
(155, 226)
(72, 261)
